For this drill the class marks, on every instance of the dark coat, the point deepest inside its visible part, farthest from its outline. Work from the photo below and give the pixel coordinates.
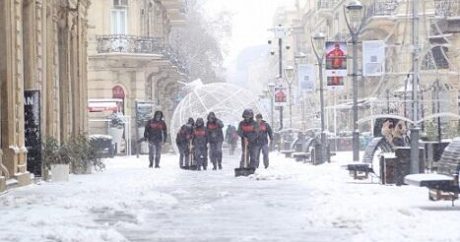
(185, 135)
(215, 133)
(155, 130)
(231, 136)
(200, 138)
(249, 130)
(265, 132)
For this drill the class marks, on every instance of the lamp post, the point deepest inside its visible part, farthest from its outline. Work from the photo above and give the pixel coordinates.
(415, 130)
(318, 42)
(289, 71)
(354, 10)
(271, 91)
(280, 33)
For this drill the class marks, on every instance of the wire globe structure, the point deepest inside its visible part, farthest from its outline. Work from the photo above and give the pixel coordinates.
(226, 100)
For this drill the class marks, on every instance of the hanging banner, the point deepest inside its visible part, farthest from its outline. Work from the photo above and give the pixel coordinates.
(336, 58)
(32, 131)
(280, 95)
(306, 76)
(334, 81)
(373, 57)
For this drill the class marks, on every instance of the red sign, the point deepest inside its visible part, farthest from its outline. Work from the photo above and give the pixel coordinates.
(280, 96)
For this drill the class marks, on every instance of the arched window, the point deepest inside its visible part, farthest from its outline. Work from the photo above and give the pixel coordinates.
(119, 93)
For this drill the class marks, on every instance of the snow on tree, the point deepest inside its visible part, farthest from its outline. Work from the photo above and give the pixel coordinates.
(198, 43)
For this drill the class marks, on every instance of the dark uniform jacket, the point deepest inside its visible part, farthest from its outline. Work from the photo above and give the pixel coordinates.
(265, 132)
(200, 137)
(155, 130)
(215, 133)
(249, 130)
(184, 135)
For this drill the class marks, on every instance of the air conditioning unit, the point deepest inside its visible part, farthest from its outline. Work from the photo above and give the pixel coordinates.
(120, 3)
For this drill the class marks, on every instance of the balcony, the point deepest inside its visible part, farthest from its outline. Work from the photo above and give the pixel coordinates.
(128, 44)
(382, 8)
(447, 8)
(327, 4)
(448, 14)
(138, 45)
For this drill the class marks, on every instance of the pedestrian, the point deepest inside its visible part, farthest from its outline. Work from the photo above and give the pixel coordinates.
(215, 138)
(231, 137)
(200, 144)
(184, 143)
(155, 134)
(248, 131)
(264, 133)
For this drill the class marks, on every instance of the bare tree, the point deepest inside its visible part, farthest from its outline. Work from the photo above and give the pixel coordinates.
(199, 43)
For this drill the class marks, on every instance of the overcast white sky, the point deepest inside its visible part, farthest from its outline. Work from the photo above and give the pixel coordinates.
(251, 20)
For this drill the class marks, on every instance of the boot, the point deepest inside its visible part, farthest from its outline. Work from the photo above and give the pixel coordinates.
(220, 166)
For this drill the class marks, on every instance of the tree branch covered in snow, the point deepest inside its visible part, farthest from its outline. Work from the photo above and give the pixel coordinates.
(199, 42)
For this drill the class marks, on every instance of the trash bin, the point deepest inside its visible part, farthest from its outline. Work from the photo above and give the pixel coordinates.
(395, 166)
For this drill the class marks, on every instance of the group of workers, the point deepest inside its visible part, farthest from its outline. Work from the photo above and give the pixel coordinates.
(196, 139)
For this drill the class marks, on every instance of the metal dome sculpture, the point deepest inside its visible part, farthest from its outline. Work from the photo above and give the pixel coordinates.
(227, 101)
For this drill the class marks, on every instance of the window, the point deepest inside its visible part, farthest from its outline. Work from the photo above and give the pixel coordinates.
(120, 3)
(119, 21)
(120, 17)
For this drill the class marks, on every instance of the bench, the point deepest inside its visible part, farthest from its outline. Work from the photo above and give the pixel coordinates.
(362, 170)
(301, 156)
(359, 170)
(287, 153)
(433, 152)
(443, 185)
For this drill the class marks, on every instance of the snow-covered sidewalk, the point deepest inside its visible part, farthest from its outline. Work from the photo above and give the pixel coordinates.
(288, 202)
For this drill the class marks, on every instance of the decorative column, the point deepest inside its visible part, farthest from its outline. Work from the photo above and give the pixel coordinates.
(64, 92)
(51, 87)
(12, 90)
(30, 44)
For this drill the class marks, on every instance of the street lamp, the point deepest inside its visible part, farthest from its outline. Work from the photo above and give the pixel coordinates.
(271, 91)
(354, 10)
(289, 71)
(280, 32)
(318, 42)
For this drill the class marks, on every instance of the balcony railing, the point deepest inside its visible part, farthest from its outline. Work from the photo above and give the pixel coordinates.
(138, 45)
(383, 7)
(327, 4)
(128, 44)
(447, 8)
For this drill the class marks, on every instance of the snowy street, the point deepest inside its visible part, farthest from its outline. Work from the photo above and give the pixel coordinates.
(288, 202)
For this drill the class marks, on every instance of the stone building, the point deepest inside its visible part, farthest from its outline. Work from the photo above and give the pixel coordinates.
(42, 48)
(130, 58)
(390, 21)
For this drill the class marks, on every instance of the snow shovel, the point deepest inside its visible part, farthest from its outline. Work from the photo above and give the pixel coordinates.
(246, 170)
(192, 165)
(187, 166)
